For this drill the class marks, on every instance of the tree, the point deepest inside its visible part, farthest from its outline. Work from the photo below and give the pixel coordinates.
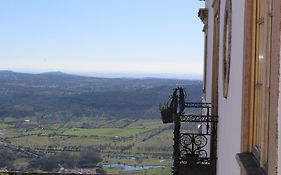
(52, 163)
(88, 158)
(7, 158)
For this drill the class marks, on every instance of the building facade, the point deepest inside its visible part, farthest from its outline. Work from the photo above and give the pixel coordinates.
(242, 81)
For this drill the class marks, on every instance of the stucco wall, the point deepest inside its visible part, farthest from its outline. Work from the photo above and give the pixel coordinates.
(209, 51)
(229, 110)
(229, 127)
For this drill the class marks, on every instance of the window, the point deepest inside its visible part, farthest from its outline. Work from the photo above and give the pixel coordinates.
(261, 85)
(260, 90)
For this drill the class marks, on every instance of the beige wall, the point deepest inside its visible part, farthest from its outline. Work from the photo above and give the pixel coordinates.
(279, 127)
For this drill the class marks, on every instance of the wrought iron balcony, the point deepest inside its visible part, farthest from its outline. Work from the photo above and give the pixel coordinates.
(194, 149)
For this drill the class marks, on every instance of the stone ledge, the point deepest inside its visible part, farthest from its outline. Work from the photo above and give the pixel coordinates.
(248, 164)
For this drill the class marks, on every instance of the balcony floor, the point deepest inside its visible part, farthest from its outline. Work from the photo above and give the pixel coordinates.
(196, 170)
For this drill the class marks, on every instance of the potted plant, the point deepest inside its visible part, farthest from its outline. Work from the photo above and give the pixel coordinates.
(166, 114)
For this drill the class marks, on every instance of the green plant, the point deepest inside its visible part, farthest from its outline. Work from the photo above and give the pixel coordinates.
(166, 114)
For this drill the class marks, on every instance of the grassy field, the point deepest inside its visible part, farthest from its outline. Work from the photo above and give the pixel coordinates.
(107, 132)
(148, 141)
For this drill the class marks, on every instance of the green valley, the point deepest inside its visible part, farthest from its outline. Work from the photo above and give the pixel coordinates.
(82, 124)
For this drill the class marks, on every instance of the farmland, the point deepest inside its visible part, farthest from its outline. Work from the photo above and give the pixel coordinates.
(138, 143)
(57, 122)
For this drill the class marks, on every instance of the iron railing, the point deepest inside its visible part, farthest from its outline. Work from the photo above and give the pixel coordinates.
(194, 149)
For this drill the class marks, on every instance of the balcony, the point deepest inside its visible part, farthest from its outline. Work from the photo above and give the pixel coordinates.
(194, 149)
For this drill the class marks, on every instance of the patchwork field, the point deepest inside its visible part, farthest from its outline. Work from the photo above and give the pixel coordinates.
(145, 142)
(107, 132)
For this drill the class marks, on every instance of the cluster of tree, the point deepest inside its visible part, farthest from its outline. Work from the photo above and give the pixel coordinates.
(87, 158)
(50, 94)
(7, 158)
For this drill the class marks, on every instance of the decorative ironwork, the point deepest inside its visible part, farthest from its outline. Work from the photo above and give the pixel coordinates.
(198, 118)
(197, 105)
(193, 149)
(193, 142)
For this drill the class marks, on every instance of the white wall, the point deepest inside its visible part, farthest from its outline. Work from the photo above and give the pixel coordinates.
(209, 51)
(229, 126)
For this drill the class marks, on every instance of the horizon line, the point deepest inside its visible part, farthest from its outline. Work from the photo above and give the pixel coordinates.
(113, 74)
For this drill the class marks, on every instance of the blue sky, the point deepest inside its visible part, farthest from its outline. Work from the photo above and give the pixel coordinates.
(132, 36)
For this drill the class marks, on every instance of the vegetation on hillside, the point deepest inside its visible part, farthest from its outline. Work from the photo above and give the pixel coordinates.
(86, 158)
(57, 95)
(55, 121)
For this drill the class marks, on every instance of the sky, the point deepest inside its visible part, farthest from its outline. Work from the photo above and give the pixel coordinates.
(130, 36)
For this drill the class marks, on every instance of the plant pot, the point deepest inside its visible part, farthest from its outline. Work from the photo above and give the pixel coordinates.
(167, 115)
(191, 159)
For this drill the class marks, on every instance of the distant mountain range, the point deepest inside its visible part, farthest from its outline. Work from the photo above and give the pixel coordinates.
(143, 75)
(185, 76)
(57, 94)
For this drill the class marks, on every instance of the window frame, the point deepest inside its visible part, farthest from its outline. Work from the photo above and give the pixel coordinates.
(247, 91)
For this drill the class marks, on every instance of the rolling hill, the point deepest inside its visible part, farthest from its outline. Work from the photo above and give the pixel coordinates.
(61, 95)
